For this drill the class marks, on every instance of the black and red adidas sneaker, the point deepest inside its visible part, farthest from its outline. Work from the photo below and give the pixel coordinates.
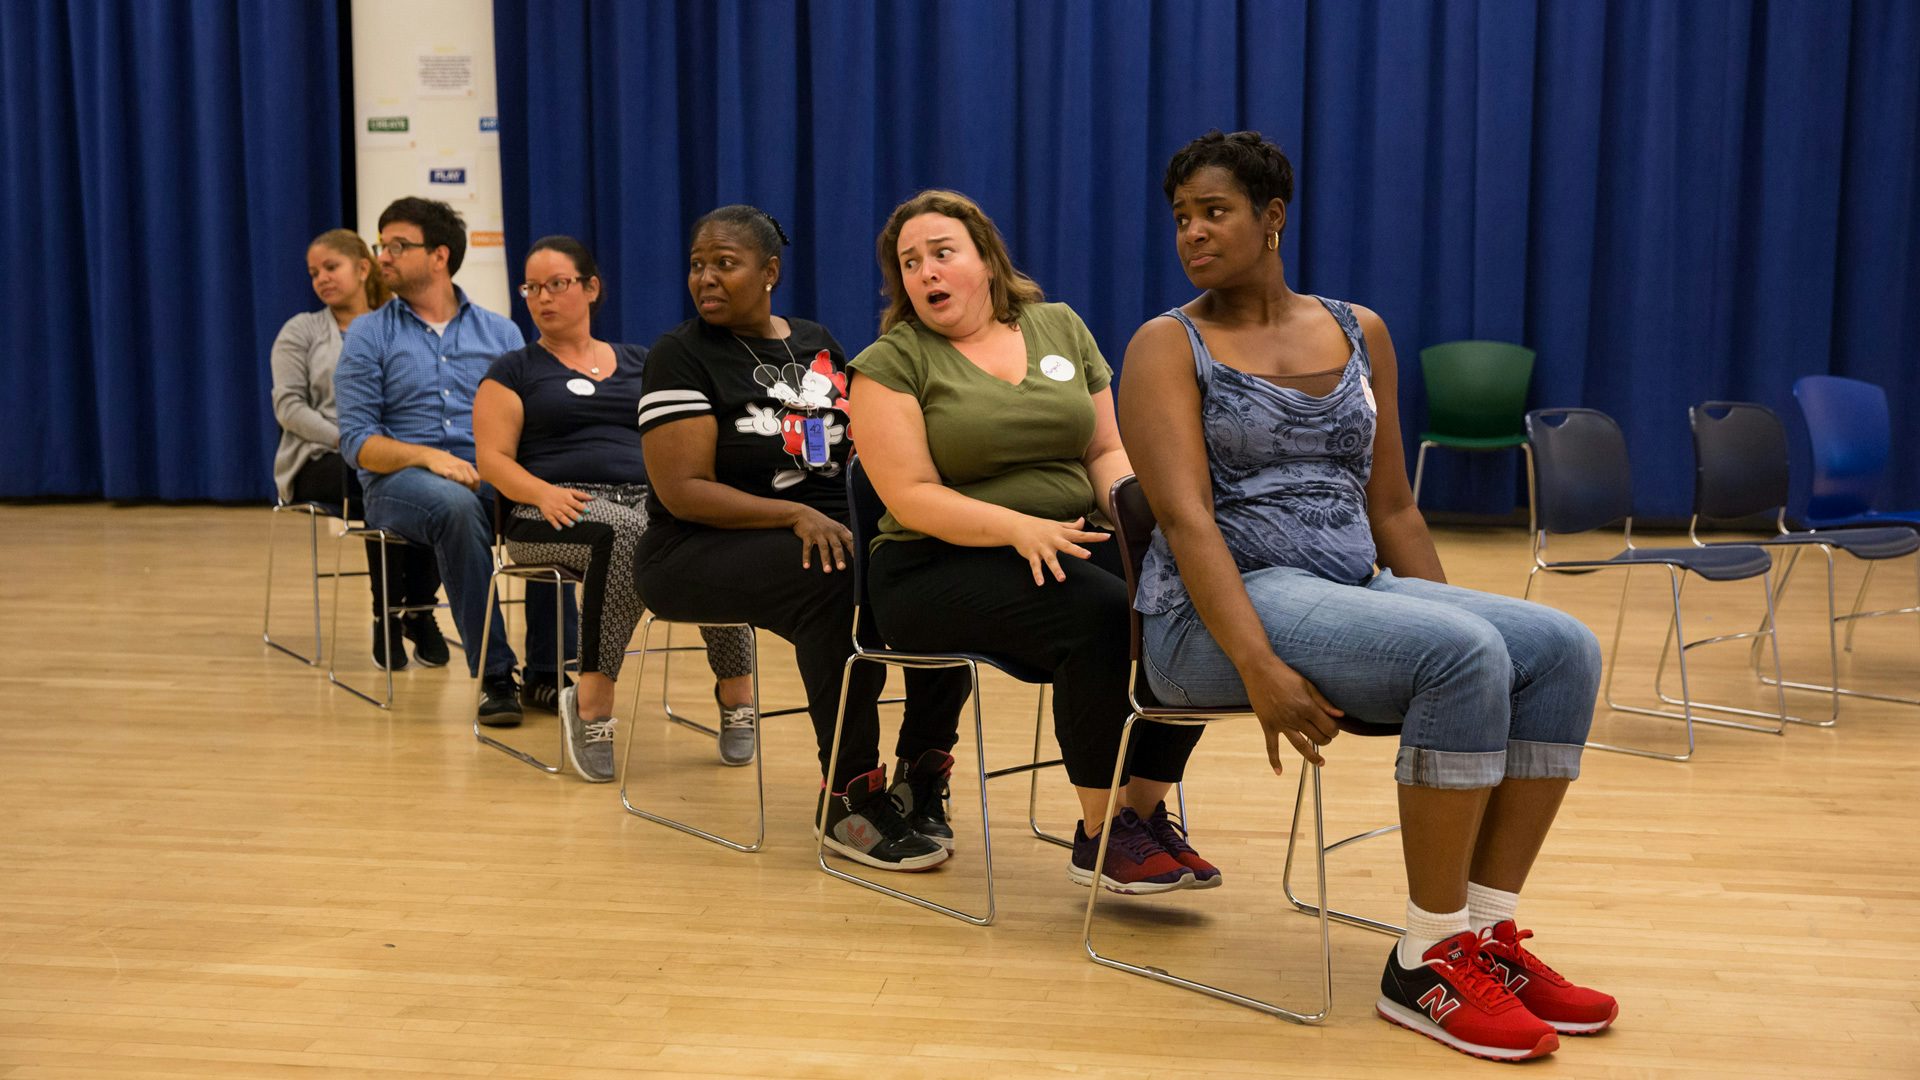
(1569, 1009)
(1453, 997)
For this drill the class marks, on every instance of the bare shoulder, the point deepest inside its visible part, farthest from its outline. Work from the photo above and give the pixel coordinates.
(1160, 339)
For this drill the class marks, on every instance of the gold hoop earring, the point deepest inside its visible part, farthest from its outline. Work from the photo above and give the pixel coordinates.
(1273, 241)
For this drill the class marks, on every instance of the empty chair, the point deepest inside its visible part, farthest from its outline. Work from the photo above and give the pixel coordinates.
(1476, 398)
(1583, 483)
(1741, 470)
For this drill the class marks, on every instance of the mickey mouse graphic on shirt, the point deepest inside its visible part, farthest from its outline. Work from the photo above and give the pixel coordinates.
(807, 417)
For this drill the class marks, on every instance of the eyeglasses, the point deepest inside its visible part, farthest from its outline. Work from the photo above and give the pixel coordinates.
(553, 286)
(396, 248)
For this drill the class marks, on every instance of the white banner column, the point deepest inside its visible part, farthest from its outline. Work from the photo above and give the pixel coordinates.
(425, 124)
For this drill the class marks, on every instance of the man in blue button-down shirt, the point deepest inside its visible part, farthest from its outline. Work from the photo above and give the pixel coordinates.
(404, 387)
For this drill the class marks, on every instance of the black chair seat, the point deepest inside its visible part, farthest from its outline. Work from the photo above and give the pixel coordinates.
(1729, 562)
(1017, 670)
(1860, 543)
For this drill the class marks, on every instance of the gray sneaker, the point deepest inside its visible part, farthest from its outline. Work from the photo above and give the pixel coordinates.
(589, 746)
(736, 734)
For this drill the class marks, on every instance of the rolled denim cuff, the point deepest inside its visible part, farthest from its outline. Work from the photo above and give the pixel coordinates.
(1449, 768)
(1543, 760)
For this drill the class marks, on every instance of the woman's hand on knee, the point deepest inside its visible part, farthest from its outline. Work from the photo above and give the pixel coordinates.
(820, 533)
(1290, 706)
(1042, 542)
(561, 506)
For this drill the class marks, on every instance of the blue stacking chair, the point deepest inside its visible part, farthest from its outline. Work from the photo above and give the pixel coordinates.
(864, 511)
(1583, 482)
(1741, 471)
(1850, 433)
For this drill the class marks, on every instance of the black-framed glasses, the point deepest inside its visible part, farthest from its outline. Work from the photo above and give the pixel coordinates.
(396, 248)
(553, 286)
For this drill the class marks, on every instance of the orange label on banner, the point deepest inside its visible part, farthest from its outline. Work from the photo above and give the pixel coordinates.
(483, 238)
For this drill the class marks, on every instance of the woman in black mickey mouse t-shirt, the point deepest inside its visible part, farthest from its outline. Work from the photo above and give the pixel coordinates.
(742, 415)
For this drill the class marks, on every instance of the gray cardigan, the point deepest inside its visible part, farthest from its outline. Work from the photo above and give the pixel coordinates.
(303, 358)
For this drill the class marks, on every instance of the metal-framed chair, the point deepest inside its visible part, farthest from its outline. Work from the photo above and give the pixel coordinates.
(1582, 482)
(560, 577)
(315, 512)
(1134, 530)
(1849, 431)
(1741, 471)
(1476, 396)
(384, 538)
(865, 511)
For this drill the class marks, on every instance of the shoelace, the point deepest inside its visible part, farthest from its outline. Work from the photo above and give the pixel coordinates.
(1171, 836)
(600, 730)
(736, 716)
(1533, 963)
(1474, 977)
(1135, 842)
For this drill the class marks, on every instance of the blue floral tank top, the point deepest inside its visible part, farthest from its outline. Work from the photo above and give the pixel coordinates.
(1289, 471)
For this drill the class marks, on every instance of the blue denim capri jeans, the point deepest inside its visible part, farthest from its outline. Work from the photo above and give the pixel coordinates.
(1483, 687)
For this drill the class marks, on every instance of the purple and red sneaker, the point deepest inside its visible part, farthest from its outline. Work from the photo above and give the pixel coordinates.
(1136, 863)
(1173, 837)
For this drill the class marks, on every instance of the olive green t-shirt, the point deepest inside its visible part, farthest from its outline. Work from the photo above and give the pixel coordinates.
(1014, 445)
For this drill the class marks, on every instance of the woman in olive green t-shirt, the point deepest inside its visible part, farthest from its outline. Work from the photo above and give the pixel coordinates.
(985, 421)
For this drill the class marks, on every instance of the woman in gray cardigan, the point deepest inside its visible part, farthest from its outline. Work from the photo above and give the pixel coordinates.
(308, 467)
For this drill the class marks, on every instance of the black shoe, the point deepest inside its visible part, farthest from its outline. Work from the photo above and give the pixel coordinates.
(429, 645)
(499, 700)
(397, 636)
(537, 691)
(919, 793)
(863, 825)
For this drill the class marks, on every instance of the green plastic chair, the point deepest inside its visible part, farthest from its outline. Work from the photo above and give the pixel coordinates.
(1476, 400)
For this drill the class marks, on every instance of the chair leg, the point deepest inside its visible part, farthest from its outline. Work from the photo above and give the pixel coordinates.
(1759, 637)
(980, 757)
(479, 685)
(314, 575)
(1613, 656)
(386, 627)
(1419, 471)
(1161, 974)
(1852, 619)
(759, 773)
(1286, 873)
(1033, 778)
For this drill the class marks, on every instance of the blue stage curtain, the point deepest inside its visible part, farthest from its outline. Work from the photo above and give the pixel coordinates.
(165, 165)
(1670, 202)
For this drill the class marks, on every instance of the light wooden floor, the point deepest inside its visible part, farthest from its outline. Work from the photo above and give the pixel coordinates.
(214, 864)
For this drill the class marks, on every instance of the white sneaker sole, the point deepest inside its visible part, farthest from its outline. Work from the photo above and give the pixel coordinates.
(1125, 888)
(1395, 1013)
(910, 866)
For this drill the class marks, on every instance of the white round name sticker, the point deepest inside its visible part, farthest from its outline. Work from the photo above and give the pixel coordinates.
(583, 387)
(1056, 367)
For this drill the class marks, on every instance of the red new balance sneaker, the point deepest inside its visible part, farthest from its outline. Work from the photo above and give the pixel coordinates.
(1572, 1010)
(1453, 997)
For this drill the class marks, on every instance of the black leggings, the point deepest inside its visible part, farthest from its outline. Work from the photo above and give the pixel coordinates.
(754, 576)
(933, 596)
(411, 572)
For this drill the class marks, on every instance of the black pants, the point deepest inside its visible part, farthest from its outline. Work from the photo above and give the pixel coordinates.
(933, 596)
(411, 573)
(754, 576)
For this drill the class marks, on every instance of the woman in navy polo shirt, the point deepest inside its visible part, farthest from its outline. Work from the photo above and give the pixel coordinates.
(554, 431)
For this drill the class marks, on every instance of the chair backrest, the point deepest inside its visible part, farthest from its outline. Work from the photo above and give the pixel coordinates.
(1580, 465)
(1476, 389)
(1739, 459)
(1133, 528)
(864, 511)
(1850, 435)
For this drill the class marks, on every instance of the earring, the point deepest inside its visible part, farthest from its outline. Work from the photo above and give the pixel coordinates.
(769, 288)
(1273, 241)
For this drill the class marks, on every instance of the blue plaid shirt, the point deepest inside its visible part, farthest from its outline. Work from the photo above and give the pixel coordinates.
(400, 379)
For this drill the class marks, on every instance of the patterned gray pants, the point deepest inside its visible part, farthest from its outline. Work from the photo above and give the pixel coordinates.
(600, 547)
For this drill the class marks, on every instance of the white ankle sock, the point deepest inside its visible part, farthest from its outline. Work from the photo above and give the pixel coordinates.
(1488, 906)
(1425, 929)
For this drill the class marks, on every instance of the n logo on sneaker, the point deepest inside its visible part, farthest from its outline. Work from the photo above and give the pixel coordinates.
(1514, 981)
(1437, 1003)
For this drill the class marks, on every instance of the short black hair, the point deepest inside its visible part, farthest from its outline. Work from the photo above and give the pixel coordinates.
(583, 263)
(1260, 167)
(759, 227)
(440, 226)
